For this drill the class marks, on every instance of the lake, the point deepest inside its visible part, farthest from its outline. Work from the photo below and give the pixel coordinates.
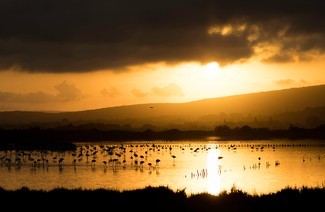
(256, 167)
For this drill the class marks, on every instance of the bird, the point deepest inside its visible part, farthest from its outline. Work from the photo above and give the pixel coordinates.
(93, 161)
(61, 161)
(174, 156)
(74, 162)
(157, 162)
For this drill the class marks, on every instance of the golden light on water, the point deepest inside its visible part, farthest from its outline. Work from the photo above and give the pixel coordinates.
(213, 167)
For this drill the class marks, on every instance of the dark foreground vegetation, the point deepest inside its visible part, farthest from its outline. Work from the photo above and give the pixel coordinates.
(162, 199)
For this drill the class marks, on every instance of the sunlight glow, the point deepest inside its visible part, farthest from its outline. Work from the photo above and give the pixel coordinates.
(211, 69)
(139, 84)
(213, 165)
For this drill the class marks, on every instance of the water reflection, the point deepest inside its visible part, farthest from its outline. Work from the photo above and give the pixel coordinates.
(261, 167)
(214, 167)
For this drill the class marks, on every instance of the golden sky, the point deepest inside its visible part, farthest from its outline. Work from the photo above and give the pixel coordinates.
(76, 55)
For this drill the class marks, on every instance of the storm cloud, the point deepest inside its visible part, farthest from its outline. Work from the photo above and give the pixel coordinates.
(80, 36)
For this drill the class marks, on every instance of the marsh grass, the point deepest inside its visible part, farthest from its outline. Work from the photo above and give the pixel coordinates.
(163, 199)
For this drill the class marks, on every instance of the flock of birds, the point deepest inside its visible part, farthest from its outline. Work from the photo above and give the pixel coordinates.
(110, 156)
(119, 156)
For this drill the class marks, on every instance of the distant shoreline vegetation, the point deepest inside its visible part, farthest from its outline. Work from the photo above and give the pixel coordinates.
(248, 133)
(62, 138)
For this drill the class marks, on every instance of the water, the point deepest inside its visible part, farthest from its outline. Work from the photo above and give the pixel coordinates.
(256, 167)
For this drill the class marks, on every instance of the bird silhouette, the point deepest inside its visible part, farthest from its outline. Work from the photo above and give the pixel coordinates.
(61, 161)
(157, 162)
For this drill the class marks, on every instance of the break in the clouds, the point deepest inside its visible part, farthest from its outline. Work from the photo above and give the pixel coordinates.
(80, 35)
(65, 92)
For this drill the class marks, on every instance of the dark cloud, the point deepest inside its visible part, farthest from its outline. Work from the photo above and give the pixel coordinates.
(82, 35)
(64, 93)
(280, 58)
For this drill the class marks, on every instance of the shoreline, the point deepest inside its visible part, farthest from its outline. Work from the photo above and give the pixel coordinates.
(72, 145)
(64, 139)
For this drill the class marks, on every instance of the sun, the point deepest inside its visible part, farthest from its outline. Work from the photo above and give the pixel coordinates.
(211, 69)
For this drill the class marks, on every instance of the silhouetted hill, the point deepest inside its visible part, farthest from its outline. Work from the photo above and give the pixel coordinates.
(275, 109)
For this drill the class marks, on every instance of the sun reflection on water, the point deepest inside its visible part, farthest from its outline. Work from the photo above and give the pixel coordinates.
(213, 167)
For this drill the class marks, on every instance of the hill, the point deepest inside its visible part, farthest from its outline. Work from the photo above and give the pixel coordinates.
(275, 109)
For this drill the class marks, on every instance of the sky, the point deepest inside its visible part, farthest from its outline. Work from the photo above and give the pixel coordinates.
(60, 55)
